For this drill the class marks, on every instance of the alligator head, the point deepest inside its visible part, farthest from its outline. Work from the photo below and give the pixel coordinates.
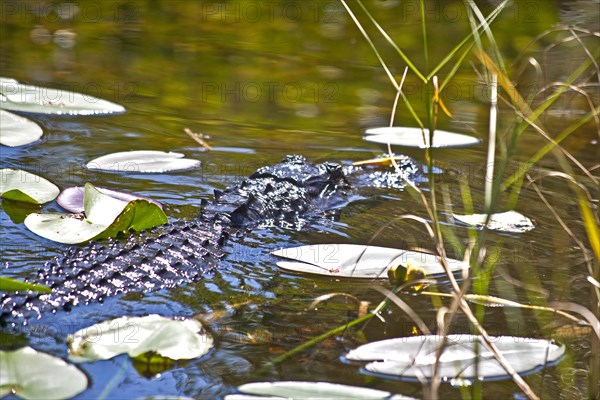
(280, 192)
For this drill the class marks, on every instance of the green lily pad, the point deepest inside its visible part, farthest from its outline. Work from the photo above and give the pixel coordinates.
(104, 217)
(13, 285)
(359, 261)
(19, 185)
(174, 339)
(414, 137)
(35, 375)
(143, 161)
(464, 357)
(296, 390)
(17, 131)
(36, 99)
(18, 211)
(509, 221)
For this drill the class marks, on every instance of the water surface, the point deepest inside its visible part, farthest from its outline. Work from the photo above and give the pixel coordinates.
(263, 80)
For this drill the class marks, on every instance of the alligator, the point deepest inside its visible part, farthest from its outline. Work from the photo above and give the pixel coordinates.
(184, 251)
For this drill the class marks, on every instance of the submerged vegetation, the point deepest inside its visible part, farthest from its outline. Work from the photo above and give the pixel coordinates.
(458, 340)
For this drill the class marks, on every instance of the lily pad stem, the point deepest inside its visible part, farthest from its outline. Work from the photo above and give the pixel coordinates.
(324, 336)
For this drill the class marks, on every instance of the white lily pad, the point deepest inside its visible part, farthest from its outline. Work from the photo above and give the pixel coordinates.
(64, 228)
(414, 137)
(36, 99)
(35, 375)
(146, 161)
(17, 131)
(296, 390)
(359, 261)
(71, 198)
(409, 358)
(167, 337)
(7, 80)
(104, 217)
(19, 185)
(509, 221)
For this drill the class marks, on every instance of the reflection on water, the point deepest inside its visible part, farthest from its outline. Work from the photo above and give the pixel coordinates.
(264, 79)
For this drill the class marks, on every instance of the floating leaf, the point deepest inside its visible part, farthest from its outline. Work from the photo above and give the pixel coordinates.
(35, 99)
(17, 131)
(138, 216)
(151, 364)
(63, 228)
(464, 357)
(71, 199)
(19, 185)
(13, 285)
(358, 261)
(34, 375)
(509, 221)
(146, 161)
(139, 335)
(104, 217)
(414, 137)
(293, 390)
(18, 211)
(4, 80)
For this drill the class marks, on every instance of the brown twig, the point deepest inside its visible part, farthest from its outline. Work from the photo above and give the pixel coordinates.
(198, 138)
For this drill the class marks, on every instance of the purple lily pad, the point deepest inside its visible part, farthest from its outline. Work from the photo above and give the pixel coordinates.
(71, 198)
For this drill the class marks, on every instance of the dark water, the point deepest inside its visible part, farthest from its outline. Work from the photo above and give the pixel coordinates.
(266, 79)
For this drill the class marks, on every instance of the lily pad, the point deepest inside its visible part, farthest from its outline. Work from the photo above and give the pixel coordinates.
(104, 217)
(509, 221)
(19, 185)
(414, 137)
(167, 337)
(13, 285)
(18, 211)
(293, 390)
(17, 131)
(4, 80)
(36, 99)
(359, 261)
(145, 161)
(34, 375)
(71, 199)
(464, 357)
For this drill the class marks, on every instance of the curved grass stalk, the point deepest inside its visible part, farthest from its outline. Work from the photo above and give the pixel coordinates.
(330, 296)
(392, 43)
(548, 147)
(482, 299)
(488, 32)
(584, 312)
(368, 39)
(340, 329)
(566, 229)
(474, 34)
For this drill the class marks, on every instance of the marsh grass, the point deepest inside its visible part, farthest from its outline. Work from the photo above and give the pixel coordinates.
(526, 117)
(502, 190)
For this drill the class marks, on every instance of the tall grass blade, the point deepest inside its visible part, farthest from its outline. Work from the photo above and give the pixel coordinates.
(368, 39)
(392, 43)
(489, 173)
(517, 177)
(489, 34)
(424, 33)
